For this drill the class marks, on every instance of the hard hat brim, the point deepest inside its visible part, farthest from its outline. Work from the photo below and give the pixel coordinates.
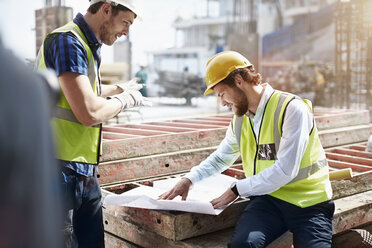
(208, 91)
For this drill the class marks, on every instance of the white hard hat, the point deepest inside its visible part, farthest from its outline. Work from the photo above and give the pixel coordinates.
(133, 5)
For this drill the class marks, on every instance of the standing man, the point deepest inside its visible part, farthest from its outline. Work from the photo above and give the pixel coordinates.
(73, 52)
(284, 163)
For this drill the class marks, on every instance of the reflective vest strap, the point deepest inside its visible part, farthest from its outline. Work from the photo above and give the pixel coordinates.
(277, 136)
(71, 26)
(66, 114)
(309, 170)
(238, 128)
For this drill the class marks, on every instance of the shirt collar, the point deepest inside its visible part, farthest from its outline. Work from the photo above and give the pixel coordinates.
(268, 91)
(87, 31)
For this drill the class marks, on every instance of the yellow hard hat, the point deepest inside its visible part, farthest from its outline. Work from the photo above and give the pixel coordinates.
(221, 65)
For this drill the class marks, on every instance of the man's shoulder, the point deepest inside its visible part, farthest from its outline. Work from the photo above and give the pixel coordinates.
(64, 37)
(65, 41)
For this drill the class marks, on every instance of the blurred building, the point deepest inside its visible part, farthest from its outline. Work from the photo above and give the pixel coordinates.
(237, 25)
(123, 55)
(53, 15)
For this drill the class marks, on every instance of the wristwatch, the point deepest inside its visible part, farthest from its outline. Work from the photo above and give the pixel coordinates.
(234, 188)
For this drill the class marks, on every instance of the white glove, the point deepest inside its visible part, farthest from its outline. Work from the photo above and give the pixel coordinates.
(131, 85)
(132, 98)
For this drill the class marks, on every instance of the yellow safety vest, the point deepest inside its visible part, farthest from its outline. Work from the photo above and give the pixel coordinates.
(311, 185)
(74, 141)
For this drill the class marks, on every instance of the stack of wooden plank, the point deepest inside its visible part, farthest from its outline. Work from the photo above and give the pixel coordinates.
(139, 154)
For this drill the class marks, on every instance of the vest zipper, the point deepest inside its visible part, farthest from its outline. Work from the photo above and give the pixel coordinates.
(259, 132)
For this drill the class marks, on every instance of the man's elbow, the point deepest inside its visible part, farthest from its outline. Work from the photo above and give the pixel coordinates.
(88, 120)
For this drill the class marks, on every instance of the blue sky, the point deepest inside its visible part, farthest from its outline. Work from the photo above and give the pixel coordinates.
(17, 23)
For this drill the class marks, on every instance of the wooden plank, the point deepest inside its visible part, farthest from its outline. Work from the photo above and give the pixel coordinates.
(352, 152)
(134, 131)
(137, 147)
(185, 124)
(358, 184)
(176, 225)
(359, 147)
(112, 241)
(117, 136)
(352, 211)
(204, 122)
(346, 135)
(354, 167)
(161, 164)
(342, 119)
(351, 159)
(159, 128)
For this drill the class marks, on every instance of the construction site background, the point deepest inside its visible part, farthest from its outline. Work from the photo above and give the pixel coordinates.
(317, 49)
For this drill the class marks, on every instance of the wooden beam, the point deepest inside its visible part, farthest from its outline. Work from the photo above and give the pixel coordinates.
(181, 225)
(161, 164)
(144, 146)
(329, 120)
(351, 212)
(112, 241)
(163, 137)
(345, 135)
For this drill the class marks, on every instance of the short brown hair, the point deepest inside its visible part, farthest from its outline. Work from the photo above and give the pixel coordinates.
(115, 9)
(249, 74)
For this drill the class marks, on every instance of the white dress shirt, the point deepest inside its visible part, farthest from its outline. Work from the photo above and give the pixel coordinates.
(298, 122)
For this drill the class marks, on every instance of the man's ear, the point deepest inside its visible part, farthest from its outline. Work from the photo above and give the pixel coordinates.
(238, 80)
(106, 9)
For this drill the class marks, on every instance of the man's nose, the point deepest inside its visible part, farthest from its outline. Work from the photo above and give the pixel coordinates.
(125, 31)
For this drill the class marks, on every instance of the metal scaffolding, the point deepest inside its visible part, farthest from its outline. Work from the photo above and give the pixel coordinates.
(353, 54)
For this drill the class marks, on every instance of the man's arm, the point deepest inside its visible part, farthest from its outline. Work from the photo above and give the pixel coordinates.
(88, 108)
(225, 155)
(217, 162)
(110, 90)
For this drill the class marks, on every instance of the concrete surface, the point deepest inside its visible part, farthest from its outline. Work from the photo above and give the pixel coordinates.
(165, 108)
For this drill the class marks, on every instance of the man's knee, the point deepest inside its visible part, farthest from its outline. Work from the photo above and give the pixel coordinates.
(252, 240)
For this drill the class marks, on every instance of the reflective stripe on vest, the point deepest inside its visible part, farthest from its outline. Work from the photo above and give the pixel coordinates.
(66, 114)
(75, 142)
(312, 175)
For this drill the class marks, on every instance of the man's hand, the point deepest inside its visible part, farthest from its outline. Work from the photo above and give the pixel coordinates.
(224, 199)
(181, 188)
(132, 98)
(131, 85)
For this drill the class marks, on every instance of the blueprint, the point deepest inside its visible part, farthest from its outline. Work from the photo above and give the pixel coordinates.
(198, 199)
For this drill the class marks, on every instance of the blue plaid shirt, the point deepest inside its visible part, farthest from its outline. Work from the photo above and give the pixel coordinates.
(65, 53)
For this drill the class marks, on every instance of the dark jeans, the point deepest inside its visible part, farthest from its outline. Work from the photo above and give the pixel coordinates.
(266, 218)
(83, 226)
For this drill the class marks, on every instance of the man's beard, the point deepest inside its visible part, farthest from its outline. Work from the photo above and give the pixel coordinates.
(104, 34)
(241, 103)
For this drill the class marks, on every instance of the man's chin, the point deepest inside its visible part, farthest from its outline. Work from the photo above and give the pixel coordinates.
(109, 42)
(239, 112)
